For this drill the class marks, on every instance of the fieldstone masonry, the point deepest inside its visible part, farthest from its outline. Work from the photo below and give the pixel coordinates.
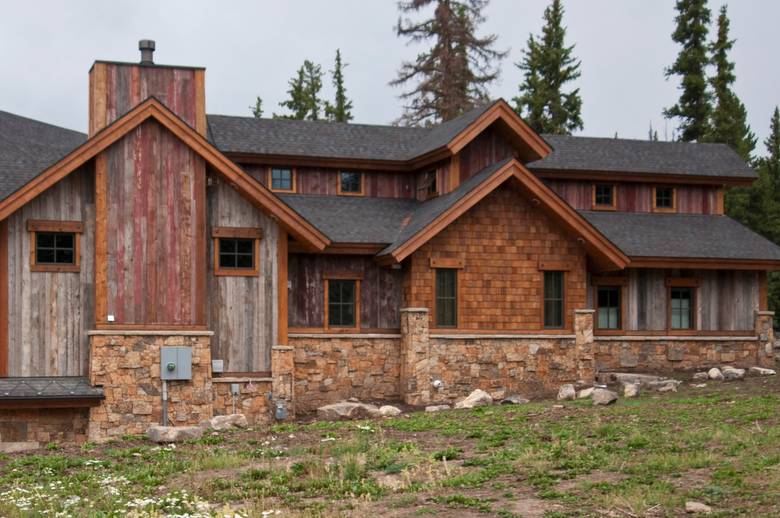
(415, 356)
(252, 400)
(283, 374)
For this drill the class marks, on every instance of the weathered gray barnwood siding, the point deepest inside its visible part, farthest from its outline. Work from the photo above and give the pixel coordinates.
(242, 311)
(50, 312)
(726, 300)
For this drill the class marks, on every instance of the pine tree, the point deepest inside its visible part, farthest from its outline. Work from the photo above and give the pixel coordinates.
(548, 64)
(341, 109)
(693, 107)
(728, 121)
(453, 75)
(257, 109)
(304, 102)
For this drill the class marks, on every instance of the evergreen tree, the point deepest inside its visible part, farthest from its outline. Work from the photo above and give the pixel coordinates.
(547, 65)
(693, 107)
(728, 121)
(257, 109)
(304, 102)
(341, 109)
(452, 76)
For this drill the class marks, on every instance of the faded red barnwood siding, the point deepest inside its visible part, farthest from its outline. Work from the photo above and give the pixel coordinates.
(485, 150)
(154, 227)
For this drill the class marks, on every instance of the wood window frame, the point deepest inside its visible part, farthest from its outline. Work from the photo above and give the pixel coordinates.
(682, 282)
(341, 276)
(597, 206)
(362, 177)
(565, 322)
(55, 226)
(673, 208)
(607, 281)
(294, 180)
(218, 233)
(447, 264)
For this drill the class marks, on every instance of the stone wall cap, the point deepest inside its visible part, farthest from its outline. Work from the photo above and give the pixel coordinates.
(584, 311)
(687, 338)
(502, 336)
(414, 310)
(144, 332)
(282, 348)
(366, 336)
(241, 379)
(765, 313)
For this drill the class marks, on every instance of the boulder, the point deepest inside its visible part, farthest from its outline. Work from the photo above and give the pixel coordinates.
(697, 508)
(347, 410)
(667, 385)
(225, 422)
(514, 400)
(604, 397)
(567, 391)
(629, 377)
(585, 393)
(18, 447)
(165, 434)
(477, 398)
(631, 390)
(701, 376)
(437, 408)
(731, 373)
(715, 374)
(389, 411)
(760, 371)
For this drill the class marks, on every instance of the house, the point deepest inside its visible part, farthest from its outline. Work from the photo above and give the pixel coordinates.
(173, 265)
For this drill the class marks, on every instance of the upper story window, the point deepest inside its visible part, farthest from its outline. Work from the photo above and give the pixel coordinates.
(236, 251)
(55, 245)
(282, 179)
(553, 299)
(342, 302)
(446, 297)
(664, 199)
(604, 196)
(350, 182)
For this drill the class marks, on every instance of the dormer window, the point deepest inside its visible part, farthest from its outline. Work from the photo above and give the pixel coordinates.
(664, 199)
(604, 196)
(350, 183)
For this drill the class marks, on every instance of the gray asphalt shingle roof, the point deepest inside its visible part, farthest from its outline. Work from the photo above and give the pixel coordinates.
(27, 147)
(682, 235)
(48, 387)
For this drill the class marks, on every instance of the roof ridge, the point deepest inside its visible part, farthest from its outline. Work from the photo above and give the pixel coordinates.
(622, 139)
(323, 122)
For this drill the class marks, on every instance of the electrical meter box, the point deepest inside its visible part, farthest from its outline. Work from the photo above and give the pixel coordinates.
(176, 363)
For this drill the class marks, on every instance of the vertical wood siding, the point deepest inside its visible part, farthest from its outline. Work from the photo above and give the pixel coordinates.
(153, 229)
(380, 290)
(486, 149)
(50, 313)
(242, 311)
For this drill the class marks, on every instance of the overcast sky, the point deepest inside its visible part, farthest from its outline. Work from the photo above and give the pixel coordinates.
(252, 48)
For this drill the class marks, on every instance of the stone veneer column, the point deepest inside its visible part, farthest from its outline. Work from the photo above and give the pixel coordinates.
(415, 356)
(766, 338)
(583, 345)
(283, 374)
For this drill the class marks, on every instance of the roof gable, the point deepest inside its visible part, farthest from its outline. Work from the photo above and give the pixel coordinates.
(152, 108)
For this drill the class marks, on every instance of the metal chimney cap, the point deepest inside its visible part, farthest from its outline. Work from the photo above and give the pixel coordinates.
(147, 51)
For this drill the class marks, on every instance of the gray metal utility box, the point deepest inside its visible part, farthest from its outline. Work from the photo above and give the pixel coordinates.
(176, 363)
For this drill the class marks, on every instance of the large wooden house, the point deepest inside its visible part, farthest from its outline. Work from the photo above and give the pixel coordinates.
(297, 263)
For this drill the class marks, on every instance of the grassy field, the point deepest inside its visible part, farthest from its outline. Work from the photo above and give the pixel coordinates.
(719, 445)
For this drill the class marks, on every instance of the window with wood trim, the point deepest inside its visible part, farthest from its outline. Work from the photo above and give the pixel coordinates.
(342, 305)
(446, 297)
(604, 196)
(681, 306)
(55, 245)
(664, 199)
(608, 302)
(350, 182)
(236, 251)
(282, 179)
(553, 299)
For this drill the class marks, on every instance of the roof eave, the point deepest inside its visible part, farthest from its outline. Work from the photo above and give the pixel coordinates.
(642, 176)
(704, 263)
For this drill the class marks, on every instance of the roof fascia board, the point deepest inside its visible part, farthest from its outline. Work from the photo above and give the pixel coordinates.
(703, 263)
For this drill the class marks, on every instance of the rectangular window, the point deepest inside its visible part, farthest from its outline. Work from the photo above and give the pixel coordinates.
(350, 182)
(664, 198)
(282, 179)
(342, 307)
(55, 245)
(236, 250)
(608, 301)
(681, 308)
(553, 299)
(604, 196)
(446, 297)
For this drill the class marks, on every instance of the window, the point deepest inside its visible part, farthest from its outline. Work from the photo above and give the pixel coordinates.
(664, 199)
(341, 300)
(681, 308)
(608, 303)
(446, 297)
(350, 182)
(553, 299)
(236, 251)
(604, 196)
(282, 179)
(55, 245)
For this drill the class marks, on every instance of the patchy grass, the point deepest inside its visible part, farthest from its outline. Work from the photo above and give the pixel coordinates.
(643, 457)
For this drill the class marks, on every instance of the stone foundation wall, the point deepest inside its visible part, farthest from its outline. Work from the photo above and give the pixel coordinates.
(44, 425)
(331, 368)
(127, 365)
(252, 400)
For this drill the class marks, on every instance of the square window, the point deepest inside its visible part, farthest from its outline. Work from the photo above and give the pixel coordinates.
(55, 248)
(341, 303)
(446, 297)
(608, 301)
(553, 299)
(350, 182)
(604, 195)
(664, 198)
(282, 179)
(236, 253)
